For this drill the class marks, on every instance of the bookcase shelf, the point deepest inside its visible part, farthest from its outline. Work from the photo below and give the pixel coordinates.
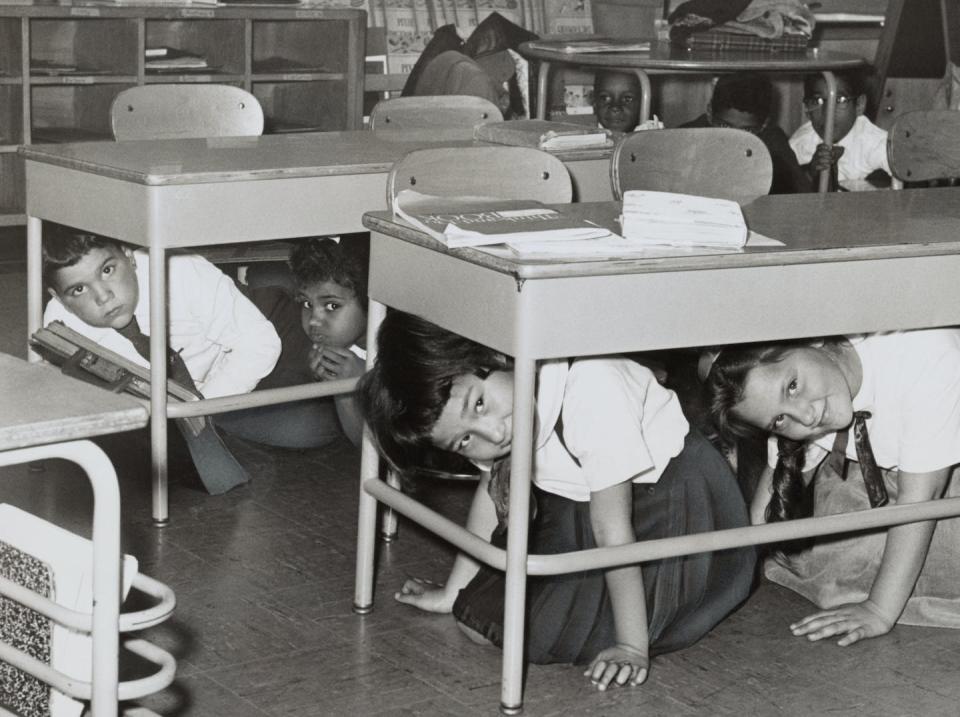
(61, 65)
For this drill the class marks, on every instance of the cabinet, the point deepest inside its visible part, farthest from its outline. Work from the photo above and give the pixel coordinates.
(62, 64)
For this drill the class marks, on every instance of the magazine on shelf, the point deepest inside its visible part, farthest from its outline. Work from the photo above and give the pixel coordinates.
(81, 358)
(682, 220)
(478, 221)
(601, 45)
(543, 134)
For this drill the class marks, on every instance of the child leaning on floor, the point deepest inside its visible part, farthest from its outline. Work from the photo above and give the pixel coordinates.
(860, 147)
(322, 328)
(615, 462)
(803, 393)
(99, 288)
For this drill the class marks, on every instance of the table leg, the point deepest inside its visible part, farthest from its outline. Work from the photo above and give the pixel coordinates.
(158, 381)
(34, 282)
(511, 686)
(543, 80)
(369, 470)
(388, 522)
(828, 122)
(645, 96)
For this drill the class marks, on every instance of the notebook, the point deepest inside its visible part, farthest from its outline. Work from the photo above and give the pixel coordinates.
(544, 134)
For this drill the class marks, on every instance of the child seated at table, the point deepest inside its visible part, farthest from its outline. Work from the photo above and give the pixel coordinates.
(616, 100)
(744, 100)
(322, 328)
(860, 147)
(905, 388)
(220, 344)
(615, 462)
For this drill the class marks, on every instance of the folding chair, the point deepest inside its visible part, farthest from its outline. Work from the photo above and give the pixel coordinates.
(714, 162)
(924, 146)
(433, 111)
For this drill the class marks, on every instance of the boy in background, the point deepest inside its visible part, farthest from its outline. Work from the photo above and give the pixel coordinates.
(322, 327)
(220, 344)
(860, 147)
(616, 100)
(744, 100)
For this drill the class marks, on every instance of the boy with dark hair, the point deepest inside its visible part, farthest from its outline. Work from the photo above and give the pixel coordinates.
(744, 100)
(616, 100)
(220, 344)
(860, 147)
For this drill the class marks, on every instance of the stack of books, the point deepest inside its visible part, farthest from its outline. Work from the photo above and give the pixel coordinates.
(683, 220)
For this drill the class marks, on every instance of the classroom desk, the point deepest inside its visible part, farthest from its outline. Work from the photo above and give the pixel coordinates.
(166, 194)
(852, 263)
(44, 414)
(664, 58)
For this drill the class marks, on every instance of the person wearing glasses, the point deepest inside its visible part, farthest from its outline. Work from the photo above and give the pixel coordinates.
(860, 147)
(744, 100)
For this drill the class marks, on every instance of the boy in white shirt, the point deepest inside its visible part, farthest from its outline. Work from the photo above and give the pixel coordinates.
(225, 343)
(860, 147)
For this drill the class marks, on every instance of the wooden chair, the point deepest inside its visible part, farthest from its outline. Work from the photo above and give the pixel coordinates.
(712, 162)
(193, 110)
(488, 171)
(924, 146)
(433, 111)
(185, 110)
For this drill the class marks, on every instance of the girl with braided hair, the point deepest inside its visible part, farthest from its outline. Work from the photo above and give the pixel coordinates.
(903, 386)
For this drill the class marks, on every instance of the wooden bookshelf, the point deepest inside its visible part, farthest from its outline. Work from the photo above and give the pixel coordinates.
(61, 65)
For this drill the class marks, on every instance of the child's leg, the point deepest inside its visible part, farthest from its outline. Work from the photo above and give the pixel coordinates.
(303, 424)
(569, 617)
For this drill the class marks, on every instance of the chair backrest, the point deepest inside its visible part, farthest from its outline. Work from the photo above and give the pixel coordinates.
(185, 110)
(485, 171)
(925, 145)
(710, 161)
(433, 111)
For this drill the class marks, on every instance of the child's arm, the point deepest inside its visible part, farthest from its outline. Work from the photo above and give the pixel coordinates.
(903, 558)
(824, 158)
(481, 521)
(328, 364)
(627, 662)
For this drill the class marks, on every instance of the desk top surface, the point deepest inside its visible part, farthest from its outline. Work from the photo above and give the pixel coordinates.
(39, 405)
(276, 156)
(667, 57)
(815, 228)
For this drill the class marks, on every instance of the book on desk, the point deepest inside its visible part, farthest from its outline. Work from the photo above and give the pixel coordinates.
(544, 134)
(479, 221)
(88, 361)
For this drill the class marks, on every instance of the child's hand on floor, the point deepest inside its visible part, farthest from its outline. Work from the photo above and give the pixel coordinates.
(852, 622)
(618, 665)
(327, 363)
(825, 157)
(426, 595)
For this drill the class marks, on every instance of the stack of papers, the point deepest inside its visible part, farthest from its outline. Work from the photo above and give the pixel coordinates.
(611, 44)
(682, 220)
(480, 221)
(543, 134)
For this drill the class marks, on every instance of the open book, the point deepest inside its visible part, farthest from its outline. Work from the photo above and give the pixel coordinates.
(478, 221)
(81, 358)
(683, 220)
(543, 134)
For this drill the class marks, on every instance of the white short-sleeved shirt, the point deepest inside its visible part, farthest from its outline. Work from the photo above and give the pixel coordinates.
(226, 343)
(617, 420)
(865, 149)
(911, 386)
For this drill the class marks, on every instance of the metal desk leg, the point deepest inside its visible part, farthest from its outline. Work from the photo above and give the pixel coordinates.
(511, 686)
(369, 470)
(829, 118)
(105, 634)
(543, 80)
(34, 282)
(158, 381)
(645, 96)
(388, 521)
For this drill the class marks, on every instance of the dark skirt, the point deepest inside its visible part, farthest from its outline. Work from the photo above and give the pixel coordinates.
(569, 617)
